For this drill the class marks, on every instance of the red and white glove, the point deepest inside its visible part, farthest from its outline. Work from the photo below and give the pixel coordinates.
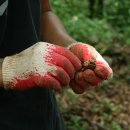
(43, 65)
(94, 68)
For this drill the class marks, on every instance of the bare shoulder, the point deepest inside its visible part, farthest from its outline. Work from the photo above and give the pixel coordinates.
(45, 4)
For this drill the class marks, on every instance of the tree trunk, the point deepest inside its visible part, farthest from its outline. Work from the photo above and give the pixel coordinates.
(91, 7)
(95, 8)
(100, 8)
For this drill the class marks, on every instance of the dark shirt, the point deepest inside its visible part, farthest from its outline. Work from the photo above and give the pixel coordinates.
(36, 108)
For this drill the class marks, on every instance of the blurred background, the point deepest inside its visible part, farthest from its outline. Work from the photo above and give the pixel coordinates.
(105, 24)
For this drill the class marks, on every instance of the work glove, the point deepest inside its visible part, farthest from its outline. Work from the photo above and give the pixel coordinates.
(94, 68)
(41, 65)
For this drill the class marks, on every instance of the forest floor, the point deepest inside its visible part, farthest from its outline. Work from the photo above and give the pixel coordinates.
(107, 107)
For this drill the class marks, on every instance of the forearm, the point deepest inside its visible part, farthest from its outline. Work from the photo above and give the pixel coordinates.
(1, 80)
(53, 31)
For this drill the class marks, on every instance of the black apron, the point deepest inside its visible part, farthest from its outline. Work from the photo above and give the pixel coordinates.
(36, 108)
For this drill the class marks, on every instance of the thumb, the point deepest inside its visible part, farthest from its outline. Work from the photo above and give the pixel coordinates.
(83, 51)
(91, 59)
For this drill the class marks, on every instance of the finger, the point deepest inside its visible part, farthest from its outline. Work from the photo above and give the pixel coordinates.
(91, 78)
(64, 63)
(76, 88)
(103, 71)
(68, 54)
(79, 79)
(48, 82)
(60, 75)
(41, 81)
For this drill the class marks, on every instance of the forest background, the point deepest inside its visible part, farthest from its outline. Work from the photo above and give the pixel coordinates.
(105, 24)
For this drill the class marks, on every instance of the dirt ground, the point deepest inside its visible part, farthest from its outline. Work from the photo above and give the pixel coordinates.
(107, 107)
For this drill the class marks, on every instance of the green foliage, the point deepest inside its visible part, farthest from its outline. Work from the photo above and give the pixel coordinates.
(112, 28)
(72, 96)
(75, 123)
(127, 34)
(107, 107)
(110, 107)
(118, 12)
(87, 30)
(115, 126)
(114, 25)
(106, 112)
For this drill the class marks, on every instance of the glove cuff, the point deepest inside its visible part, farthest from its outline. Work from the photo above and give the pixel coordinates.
(8, 70)
(73, 44)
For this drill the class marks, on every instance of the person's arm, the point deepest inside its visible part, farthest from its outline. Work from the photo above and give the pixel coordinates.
(1, 79)
(52, 30)
(41, 67)
(94, 68)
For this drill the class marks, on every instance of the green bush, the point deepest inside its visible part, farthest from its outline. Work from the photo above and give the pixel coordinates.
(113, 25)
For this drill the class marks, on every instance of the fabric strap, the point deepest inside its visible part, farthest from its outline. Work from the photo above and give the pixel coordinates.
(3, 18)
(3, 7)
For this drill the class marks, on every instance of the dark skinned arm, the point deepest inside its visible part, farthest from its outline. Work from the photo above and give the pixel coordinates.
(52, 30)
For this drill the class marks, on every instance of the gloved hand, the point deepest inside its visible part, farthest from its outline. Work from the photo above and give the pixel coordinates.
(94, 68)
(43, 65)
